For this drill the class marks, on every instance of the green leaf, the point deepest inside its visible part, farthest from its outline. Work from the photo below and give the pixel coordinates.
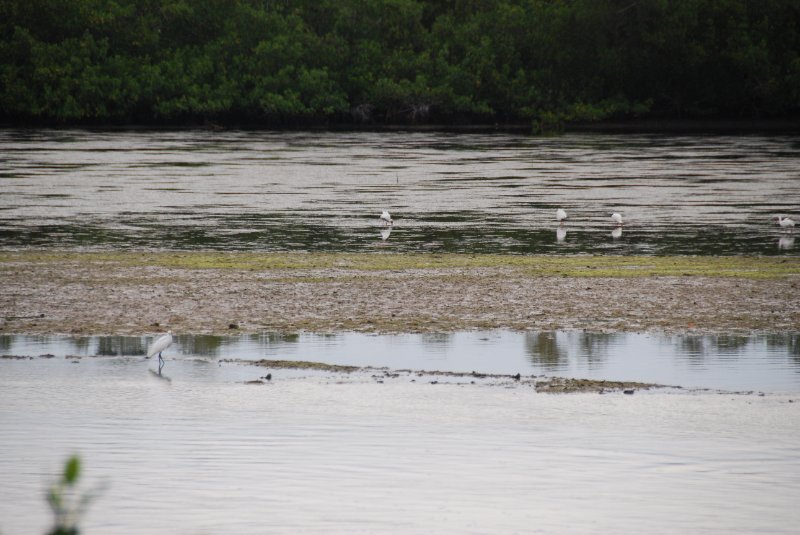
(72, 470)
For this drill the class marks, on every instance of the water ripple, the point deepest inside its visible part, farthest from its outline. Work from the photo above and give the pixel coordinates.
(495, 192)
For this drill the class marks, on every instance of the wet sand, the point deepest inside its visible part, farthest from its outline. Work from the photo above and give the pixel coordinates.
(137, 293)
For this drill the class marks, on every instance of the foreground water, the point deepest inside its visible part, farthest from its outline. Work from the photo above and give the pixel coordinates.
(203, 452)
(317, 191)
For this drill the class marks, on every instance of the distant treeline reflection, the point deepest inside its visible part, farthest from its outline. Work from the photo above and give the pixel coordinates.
(296, 62)
(551, 350)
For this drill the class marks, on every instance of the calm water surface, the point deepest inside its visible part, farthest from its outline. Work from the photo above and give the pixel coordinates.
(284, 191)
(769, 362)
(205, 453)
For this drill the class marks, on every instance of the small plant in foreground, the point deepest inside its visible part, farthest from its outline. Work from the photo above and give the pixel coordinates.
(67, 506)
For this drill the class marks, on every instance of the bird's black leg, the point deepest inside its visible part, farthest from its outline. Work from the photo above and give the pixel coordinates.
(160, 362)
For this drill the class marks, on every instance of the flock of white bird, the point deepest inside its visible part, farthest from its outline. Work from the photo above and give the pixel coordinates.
(561, 231)
(164, 341)
(561, 216)
(785, 223)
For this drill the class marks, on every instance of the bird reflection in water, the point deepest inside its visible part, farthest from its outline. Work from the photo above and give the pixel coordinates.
(385, 232)
(785, 242)
(616, 233)
(159, 375)
(561, 234)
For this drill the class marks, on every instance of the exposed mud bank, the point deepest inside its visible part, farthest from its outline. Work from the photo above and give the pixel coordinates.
(138, 293)
(540, 383)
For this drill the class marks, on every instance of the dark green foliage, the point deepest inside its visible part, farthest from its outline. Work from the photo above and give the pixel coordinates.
(286, 62)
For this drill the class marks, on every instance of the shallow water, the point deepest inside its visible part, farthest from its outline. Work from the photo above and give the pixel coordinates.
(204, 453)
(318, 191)
(768, 362)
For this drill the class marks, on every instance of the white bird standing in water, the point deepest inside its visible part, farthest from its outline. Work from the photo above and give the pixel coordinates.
(561, 215)
(616, 217)
(785, 223)
(160, 345)
(386, 219)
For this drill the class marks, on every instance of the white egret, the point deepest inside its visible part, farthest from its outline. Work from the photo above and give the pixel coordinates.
(162, 343)
(386, 219)
(785, 223)
(616, 217)
(561, 215)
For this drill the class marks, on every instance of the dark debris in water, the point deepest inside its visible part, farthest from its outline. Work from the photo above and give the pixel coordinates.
(297, 365)
(562, 385)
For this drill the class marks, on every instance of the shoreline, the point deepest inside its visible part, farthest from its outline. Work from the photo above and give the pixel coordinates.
(631, 126)
(135, 292)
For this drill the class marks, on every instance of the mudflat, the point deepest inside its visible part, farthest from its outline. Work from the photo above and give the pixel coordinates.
(138, 292)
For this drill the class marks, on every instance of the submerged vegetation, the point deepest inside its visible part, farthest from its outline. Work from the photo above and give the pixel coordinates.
(302, 62)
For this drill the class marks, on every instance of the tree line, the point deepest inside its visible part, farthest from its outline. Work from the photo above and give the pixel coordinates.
(298, 62)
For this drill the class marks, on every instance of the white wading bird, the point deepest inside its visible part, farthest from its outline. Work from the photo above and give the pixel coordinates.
(386, 219)
(561, 215)
(616, 217)
(784, 222)
(160, 345)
